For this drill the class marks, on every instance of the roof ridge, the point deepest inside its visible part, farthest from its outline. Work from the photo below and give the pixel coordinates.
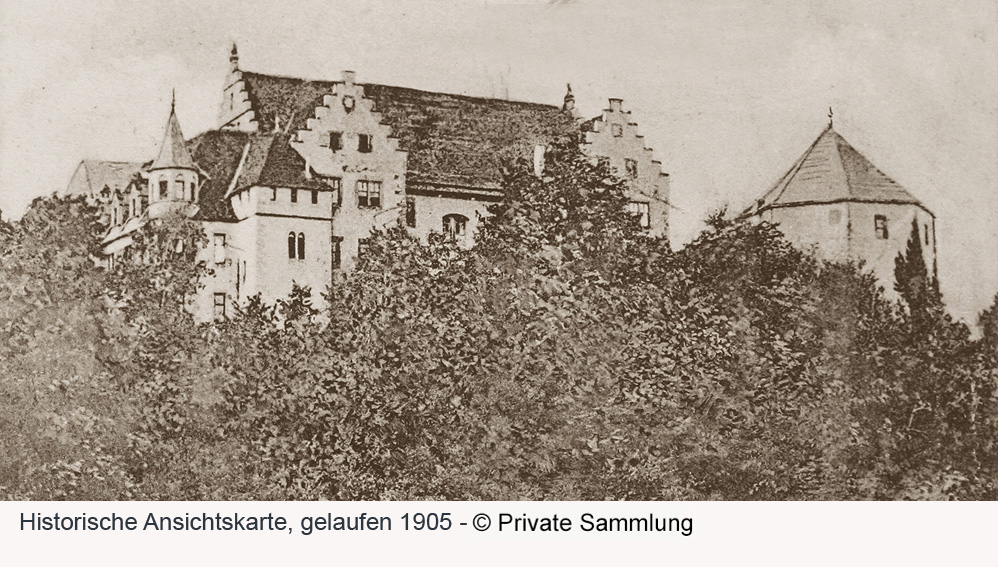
(411, 89)
(795, 168)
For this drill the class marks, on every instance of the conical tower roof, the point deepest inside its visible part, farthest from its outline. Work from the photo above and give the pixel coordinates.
(173, 153)
(832, 171)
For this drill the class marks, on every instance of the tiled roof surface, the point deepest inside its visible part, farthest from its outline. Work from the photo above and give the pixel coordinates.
(450, 139)
(832, 170)
(173, 152)
(115, 175)
(270, 161)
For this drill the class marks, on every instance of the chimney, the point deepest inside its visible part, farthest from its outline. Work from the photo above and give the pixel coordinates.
(348, 78)
(615, 104)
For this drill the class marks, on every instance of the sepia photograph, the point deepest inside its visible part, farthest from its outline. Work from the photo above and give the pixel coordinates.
(489, 250)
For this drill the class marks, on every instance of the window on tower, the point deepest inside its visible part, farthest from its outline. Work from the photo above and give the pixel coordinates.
(164, 189)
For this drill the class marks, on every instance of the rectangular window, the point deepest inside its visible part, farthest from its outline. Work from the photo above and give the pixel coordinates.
(336, 184)
(335, 141)
(315, 196)
(410, 212)
(219, 306)
(219, 248)
(926, 234)
(294, 195)
(880, 227)
(641, 211)
(164, 190)
(369, 194)
(362, 245)
(617, 129)
(336, 258)
(632, 168)
(273, 194)
(364, 144)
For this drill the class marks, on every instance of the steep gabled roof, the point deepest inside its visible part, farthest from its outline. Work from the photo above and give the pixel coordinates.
(93, 175)
(450, 139)
(270, 161)
(831, 170)
(173, 151)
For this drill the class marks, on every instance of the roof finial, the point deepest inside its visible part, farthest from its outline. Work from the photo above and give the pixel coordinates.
(173, 99)
(830, 114)
(234, 58)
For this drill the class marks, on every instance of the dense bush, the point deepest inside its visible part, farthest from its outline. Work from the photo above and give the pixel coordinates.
(567, 356)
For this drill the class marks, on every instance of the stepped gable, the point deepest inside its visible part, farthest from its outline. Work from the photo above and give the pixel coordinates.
(831, 170)
(450, 139)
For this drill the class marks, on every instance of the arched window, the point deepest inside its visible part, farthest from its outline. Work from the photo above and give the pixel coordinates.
(194, 194)
(455, 225)
(291, 245)
(178, 187)
(301, 246)
(163, 189)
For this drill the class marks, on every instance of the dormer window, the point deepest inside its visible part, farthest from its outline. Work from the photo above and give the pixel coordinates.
(364, 145)
(880, 227)
(617, 130)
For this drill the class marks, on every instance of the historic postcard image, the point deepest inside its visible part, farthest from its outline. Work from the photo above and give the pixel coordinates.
(485, 250)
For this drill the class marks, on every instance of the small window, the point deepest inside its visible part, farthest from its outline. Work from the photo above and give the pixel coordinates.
(164, 188)
(410, 212)
(926, 234)
(231, 101)
(336, 184)
(369, 194)
(631, 166)
(179, 191)
(273, 193)
(362, 247)
(455, 225)
(641, 211)
(219, 248)
(880, 227)
(617, 129)
(335, 141)
(315, 196)
(336, 259)
(220, 306)
(834, 216)
(301, 246)
(292, 249)
(294, 195)
(364, 144)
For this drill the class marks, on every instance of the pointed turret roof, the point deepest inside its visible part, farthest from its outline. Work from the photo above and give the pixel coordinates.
(173, 153)
(831, 170)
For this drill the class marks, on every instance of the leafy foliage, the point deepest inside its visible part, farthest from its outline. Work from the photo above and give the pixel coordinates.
(567, 356)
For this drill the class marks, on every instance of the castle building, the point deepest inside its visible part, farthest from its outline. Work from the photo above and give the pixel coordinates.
(836, 203)
(298, 174)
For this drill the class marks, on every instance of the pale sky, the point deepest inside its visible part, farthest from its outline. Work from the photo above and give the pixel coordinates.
(728, 93)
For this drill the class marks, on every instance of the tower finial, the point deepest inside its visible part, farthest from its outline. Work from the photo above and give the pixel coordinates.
(830, 114)
(569, 105)
(234, 58)
(173, 99)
